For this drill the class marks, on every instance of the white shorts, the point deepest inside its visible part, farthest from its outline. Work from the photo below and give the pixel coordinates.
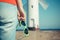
(8, 21)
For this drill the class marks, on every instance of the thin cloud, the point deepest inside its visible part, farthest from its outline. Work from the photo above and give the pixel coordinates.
(43, 4)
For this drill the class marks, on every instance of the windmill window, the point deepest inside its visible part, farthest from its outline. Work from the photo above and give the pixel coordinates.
(32, 6)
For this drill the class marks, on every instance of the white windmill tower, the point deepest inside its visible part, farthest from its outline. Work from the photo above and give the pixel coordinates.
(33, 12)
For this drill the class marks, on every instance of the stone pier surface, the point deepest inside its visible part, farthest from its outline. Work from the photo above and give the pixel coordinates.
(39, 35)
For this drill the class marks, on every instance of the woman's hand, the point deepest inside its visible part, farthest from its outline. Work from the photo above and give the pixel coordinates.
(21, 16)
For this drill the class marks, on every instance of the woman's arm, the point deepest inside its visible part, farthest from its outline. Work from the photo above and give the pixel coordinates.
(21, 13)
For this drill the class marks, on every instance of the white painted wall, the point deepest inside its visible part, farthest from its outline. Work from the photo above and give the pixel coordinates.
(33, 13)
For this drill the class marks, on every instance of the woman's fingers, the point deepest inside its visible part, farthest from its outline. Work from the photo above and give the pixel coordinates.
(18, 14)
(21, 16)
(18, 17)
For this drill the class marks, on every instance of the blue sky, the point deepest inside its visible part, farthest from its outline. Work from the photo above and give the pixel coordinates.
(50, 18)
